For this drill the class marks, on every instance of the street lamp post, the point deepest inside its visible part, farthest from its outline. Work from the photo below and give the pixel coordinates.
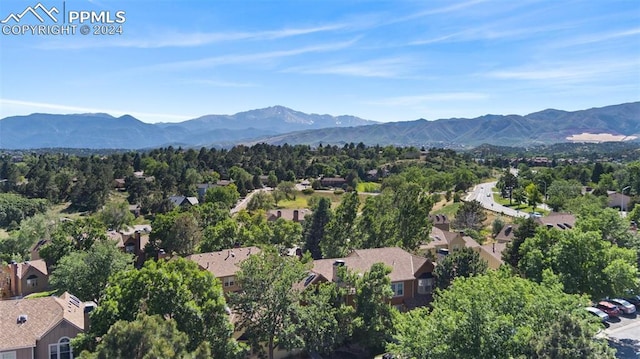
(622, 198)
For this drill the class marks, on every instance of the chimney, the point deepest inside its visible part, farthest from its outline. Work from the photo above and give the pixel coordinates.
(279, 214)
(295, 215)
(88, 308)
(336, 266)
(162, 254)
(494, 247)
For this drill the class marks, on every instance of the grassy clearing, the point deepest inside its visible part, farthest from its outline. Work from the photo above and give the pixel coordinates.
(302, 200)
(448, 210)
(368, 187)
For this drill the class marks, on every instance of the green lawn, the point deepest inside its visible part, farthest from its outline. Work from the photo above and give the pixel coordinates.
(448, 210)
(301, 200)
(522, 206)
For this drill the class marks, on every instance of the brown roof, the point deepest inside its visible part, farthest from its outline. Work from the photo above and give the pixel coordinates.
(403, 264)
(43, 314)
(494, 249)
(506, 234)
(223, 263)
(558, 220)
(287, 214)
(38, 264)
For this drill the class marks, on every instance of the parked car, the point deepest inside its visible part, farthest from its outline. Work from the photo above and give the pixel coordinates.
(633, 299)
(623, 305)
(609, 308)
(597, 312)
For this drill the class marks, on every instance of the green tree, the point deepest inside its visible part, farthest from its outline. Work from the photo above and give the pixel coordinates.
(314, 231)
(147, 337)
(226, 195)
(116, 215)
(470, 215)
(534, 197)
(465, 262)
(288, 189)
(560, 192)
(85, 274)
(175, 289)
(498, 316)
(526, 229)
(339, 230)
(374, 323)
(412, 217)
(260, 200)
(583, 262)
(223, 235)
(325, 322)
(266, 306)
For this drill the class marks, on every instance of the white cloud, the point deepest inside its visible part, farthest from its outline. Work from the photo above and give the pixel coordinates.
(384, 68)
(414, 100)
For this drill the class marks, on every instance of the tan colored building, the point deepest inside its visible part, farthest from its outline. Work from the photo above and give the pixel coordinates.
(21, 279)
(411, 276)
(557, 220)
(41, 328)
(492, 253)
(224, 264)
(296, 215)
(443, 242)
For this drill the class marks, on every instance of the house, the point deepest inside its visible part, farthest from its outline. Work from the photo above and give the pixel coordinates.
(133, 241)
(41, 328)
(444, 242)
(492, 253)
(224, 264)
(296, 215)
(21, 279)
(557, 220)
(119, 184)
(411, 276)
(506, 233)
(440, 221)
(202, 189)
(183, 201)
(618, 200)
(332, 182)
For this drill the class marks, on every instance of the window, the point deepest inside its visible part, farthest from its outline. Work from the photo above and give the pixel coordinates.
(32, 280)
(61, 350)
(129, 248)
(8, 355)
(398, 289)
(425, 285)
(229, 281)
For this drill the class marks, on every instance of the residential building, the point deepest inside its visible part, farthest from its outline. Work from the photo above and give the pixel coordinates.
(440, 221)
(444, 242)
(506, 233)
(296, 215)
(492, 253)
(332, 182)
(618, 200)
(224, 264)
(21, 279)
(41, 328)
(183, 201)
(557, 220)
(411, 276)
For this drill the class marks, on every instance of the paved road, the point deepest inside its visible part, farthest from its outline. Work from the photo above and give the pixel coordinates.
(624, 335)
(483, 193)
(242, 204)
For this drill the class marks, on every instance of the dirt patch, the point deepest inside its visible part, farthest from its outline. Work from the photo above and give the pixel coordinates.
(599, 137)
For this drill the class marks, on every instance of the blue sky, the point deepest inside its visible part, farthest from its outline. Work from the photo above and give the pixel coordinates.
(379, 60)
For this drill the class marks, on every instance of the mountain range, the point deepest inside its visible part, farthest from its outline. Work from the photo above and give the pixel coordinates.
(279, 125)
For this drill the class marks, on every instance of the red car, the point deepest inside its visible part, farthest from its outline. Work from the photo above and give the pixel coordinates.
(611, 309)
